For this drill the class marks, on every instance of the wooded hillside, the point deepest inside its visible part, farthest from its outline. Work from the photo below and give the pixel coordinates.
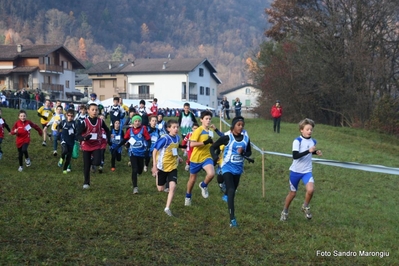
(98, 30)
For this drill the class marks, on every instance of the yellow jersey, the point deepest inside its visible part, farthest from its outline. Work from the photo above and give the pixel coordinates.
(167, 156)
(46, 112)
(200, 153)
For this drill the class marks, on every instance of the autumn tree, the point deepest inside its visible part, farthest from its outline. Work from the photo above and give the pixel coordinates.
(344, 57)
(145, 33)
(8, 39)
(82, 49)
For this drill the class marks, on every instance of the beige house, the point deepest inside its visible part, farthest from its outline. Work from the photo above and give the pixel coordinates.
(108, 79)
(247, 93)
(49, 68)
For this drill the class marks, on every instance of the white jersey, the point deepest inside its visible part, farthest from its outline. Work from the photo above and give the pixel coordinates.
(304, 164)
(96, 101)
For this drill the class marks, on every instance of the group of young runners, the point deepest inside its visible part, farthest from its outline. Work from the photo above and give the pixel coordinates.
(160, 141)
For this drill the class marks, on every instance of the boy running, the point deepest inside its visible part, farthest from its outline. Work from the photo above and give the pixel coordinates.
(301, 168)
(45, 113)
(116, 138)
(154, 134)
(201, 157)
(22, 129)
(140, 141)
(165, 161)
(189, 150)
(67, 137)
(54, 122)
(237, 145)
(90, 134)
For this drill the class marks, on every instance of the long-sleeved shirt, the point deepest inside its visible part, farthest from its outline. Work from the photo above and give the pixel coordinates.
(22, 130)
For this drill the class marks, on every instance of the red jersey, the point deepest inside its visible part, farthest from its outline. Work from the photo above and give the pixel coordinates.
(186, 141)
(96, 131)
(154, 109)
(23, 132)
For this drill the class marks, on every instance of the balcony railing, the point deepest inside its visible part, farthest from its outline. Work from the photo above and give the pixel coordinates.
(193, 97)
(51, 68)
(144, 96)
(52, 87)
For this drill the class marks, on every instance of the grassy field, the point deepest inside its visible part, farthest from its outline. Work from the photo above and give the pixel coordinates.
(47, 219)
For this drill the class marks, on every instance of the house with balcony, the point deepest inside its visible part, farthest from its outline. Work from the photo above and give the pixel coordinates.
(49, 68)
(186, 79)
(108, 79)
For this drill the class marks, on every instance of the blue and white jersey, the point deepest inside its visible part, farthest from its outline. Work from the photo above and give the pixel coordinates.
(162, 128)
(154, 134)
(138, 144)
(304, 164)
(79, 118)
(233, 162)
(116, 140)
(116, 113)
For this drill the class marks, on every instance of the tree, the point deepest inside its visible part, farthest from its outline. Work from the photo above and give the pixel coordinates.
(82, 49)
(118, 54)
(8, 39)
(145, 33)
(345, 57)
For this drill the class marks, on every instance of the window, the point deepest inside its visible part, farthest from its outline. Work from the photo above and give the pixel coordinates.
(113, 75)
(66, 83)
(65, 64)
(201, 72)
(247, 103)
(201, 90)
(102, 83)
(99, 75)
(207, 91)
(213, 92)
(144, 89)
(47, 60)
(114, 83)
(247, 91)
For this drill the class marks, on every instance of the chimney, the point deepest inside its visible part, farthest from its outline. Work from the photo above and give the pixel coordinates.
(19, 48)
(109, 66)
(132, 63)
(164, 65)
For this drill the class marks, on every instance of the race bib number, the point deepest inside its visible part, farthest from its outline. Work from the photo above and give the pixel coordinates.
(117, 137)
(132, 141)
(160, 126)
(104, 136)
(154, 138)
(210, 133)
(174, 152)
(27, 127)
(93, 136)
(236, 159)
(71, 131)
(116, 113)
(1, 121)
(46, 114)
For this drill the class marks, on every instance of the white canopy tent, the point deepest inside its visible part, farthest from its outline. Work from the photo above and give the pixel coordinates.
(179, 104)
(171, 104)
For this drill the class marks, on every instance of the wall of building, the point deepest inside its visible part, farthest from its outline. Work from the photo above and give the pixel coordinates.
(248, 96)
(6, 64)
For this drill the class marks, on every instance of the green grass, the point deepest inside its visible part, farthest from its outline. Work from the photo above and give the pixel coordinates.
(47, 219)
